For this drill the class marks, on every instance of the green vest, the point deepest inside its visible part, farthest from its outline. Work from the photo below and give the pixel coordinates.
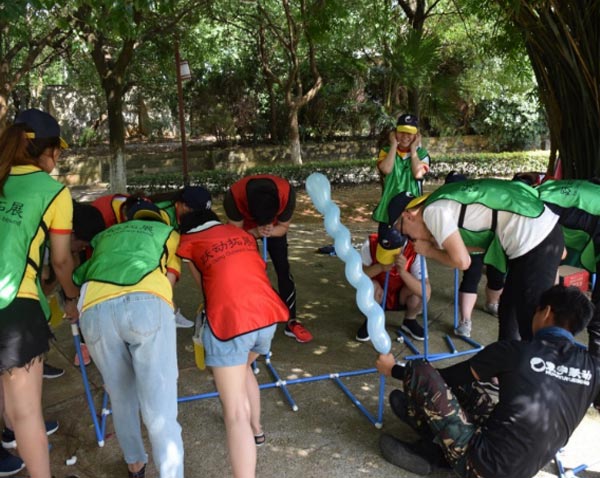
(579, 194)
(22, 206)
(125, 253)
(509, 196)
(169, 208)
(401, 179)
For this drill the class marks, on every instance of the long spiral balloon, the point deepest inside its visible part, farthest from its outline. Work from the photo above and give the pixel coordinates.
(319, 190)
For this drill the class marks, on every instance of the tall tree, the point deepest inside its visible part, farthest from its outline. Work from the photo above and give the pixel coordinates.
(289, 28)
(563, 42)
(113, 33)
(30, 37)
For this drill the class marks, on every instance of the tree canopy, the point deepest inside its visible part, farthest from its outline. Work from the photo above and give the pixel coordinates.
(291, 70)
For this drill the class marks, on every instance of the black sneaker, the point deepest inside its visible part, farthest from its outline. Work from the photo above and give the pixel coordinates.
(8, 436)
(363, 334)
(10, 464)
(52, 372)
(414, 329)
(400, 454)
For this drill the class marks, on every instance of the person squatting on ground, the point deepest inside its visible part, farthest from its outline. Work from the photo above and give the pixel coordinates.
(34, 208)
(403, 164)
(467, 291)
(577, 203)
(389, 251)
(506, 221)
(263, 205)
(128, 321)
(238, 326)
(546, 387)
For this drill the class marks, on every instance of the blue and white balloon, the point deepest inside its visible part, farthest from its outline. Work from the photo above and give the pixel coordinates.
(319, 190)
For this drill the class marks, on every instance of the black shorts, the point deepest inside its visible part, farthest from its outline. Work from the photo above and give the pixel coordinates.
(24, 334)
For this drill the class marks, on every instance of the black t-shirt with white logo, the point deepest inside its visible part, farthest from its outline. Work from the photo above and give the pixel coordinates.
(546, 386)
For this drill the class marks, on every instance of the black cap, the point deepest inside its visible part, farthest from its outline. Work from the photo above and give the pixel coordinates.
(196, 198)
(144, 209)
(407, 123)
(388, 236)
(41, 125)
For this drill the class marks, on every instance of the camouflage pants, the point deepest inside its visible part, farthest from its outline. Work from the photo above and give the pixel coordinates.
(450, 418)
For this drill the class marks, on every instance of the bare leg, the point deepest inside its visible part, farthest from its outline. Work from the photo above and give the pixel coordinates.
(253, 396)
(414, 306)
(466, 302)
(232, 385)
(23, 393)
(492, 296)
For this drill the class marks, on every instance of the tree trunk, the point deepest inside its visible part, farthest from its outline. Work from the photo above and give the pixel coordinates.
(295, 150)
(116, 128)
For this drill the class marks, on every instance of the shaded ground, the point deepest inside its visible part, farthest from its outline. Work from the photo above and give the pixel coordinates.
(327, 436)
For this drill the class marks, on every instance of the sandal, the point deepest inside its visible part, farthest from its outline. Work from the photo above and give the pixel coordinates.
(260, 439)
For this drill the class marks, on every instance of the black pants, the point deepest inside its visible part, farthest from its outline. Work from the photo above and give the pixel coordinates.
(277, 248)
(594, 325)
(472, 276)
(528, 277)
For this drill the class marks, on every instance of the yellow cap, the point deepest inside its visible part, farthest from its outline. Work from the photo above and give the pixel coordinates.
(417, 201)
(386, 256)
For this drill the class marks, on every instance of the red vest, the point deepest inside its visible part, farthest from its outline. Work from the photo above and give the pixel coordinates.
(237, 292)
(238, 191)
(111, 213)
(395, 283)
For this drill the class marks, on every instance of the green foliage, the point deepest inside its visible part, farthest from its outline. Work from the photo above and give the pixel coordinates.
(512, 122)
(350, 172)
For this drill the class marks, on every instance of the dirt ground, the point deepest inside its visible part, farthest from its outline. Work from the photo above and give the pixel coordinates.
(327, 436)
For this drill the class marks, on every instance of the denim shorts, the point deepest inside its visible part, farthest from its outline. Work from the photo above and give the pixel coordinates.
(230, 353)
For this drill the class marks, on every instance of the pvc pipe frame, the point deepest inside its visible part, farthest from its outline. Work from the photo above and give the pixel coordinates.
(453, 350)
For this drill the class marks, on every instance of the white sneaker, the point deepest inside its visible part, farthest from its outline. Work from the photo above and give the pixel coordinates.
(181, 322)
(491, 309)
(463, 329)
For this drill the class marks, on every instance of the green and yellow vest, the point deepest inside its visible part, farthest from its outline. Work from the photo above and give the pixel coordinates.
(579, 194)
(23, 204)
(498, 195)
(125, 253)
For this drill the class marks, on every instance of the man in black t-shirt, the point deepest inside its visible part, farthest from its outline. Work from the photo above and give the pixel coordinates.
(546, 387)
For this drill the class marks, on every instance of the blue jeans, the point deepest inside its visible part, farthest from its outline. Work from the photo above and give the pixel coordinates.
(132, 341)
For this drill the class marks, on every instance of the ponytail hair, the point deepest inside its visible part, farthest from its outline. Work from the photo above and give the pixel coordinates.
(17, 149)
(13, 151)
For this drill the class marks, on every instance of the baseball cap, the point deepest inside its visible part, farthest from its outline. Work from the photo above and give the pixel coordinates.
(41, 125)
(196, 198)
(388, 236)
(144, 209)
(407, 123)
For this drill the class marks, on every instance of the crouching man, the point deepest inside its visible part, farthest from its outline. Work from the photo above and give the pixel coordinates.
(546, 386)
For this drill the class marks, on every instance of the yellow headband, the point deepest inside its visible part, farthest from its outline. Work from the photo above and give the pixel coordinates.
(404, 128)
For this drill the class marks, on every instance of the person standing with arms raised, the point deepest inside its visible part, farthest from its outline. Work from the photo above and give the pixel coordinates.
(403, 164)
